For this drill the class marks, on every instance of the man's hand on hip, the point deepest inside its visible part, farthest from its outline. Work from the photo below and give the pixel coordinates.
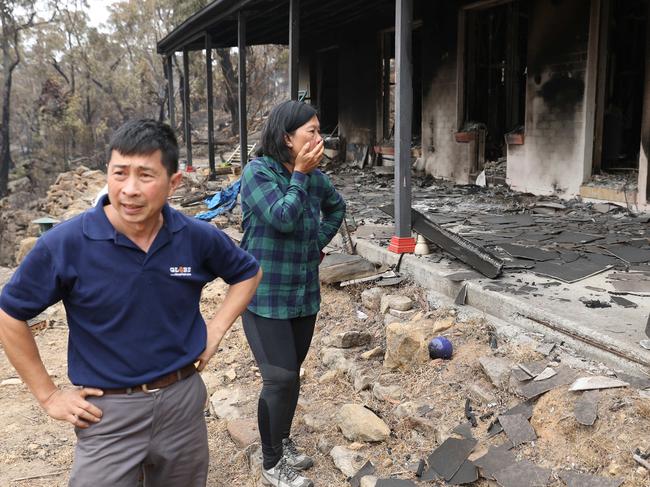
(70, 405)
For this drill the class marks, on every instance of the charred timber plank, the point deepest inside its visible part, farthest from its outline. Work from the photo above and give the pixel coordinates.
(468, 252)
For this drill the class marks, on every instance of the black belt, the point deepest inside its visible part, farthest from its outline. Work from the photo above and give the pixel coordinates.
(156, 384)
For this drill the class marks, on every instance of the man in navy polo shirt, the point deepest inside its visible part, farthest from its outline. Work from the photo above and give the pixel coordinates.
(130, 273)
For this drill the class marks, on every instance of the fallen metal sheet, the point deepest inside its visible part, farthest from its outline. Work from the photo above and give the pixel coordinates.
(471, 254)
(447, 459)
(518, 429)
(577, 479)
(531, 253)
(467, 473)
(596, 382)
(570, 271)
(586, 408)
(497, 458)
(523, 474)
(367, 469)
(564, 376)
(629, 253)
(625, 303)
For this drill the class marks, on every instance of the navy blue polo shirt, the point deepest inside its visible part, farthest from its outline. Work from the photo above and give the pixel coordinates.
(133, 316)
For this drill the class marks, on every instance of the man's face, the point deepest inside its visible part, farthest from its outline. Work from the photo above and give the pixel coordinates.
(138, 187)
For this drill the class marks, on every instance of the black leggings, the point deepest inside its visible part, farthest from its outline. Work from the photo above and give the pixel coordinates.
(279, 347)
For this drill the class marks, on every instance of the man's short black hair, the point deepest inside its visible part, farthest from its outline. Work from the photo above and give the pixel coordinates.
(144, 137)
(283, 120)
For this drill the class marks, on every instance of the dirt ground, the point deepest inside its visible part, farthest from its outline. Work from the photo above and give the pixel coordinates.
(31, 444)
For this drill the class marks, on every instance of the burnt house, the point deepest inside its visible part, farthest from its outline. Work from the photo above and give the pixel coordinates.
(555, 88)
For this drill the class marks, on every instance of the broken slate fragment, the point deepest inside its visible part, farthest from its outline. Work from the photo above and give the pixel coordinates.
(547, 373)
(634, 381)
(519, 374)
(534, 368)
(395, 483)
(429, 474)
(497, 458)
(545, 348)
(577, 479)
(464, 430)
(586, 408)
(497, 369)
(367, 469)
(525, 408)
(461, 298)
(467, 473)
(596, 382)
(625, 303)
(564, 376)
(518, 429)
(447, 459)
(523, 474)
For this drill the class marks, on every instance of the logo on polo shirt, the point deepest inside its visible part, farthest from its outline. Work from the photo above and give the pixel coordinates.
(180, 271)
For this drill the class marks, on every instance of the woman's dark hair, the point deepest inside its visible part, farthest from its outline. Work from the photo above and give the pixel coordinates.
(144, 137)
(283, 120)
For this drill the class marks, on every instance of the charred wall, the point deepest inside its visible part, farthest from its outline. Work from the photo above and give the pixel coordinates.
(358, 60)
(443, 157)
(551, 159)
(644, 156)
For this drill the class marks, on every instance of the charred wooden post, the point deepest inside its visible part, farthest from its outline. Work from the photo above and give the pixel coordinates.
(210, 96)
(186, 107)
(243, 127)
(294, 47)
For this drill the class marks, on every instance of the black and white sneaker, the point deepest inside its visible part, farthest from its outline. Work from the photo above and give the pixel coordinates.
(295, 458)
(282, 475)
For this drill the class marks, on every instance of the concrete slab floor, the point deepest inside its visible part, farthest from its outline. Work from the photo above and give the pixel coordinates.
(519, 297)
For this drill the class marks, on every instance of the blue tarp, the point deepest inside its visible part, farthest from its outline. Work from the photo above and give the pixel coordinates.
(222, 202)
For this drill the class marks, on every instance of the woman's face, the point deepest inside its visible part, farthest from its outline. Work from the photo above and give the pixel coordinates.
(308, 133)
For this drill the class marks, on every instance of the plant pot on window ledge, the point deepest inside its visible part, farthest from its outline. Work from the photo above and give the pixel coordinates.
(464, 137)
(515, 139)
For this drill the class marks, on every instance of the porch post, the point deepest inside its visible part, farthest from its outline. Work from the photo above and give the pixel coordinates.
(210, 95)
(294, 47)
(186, 108)
(243, 128)
(403, 242)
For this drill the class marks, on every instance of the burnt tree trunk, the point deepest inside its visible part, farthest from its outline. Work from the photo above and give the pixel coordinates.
(9, 64)
(232, 102)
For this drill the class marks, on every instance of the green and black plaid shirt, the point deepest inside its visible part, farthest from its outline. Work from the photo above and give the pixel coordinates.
(284, 231)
